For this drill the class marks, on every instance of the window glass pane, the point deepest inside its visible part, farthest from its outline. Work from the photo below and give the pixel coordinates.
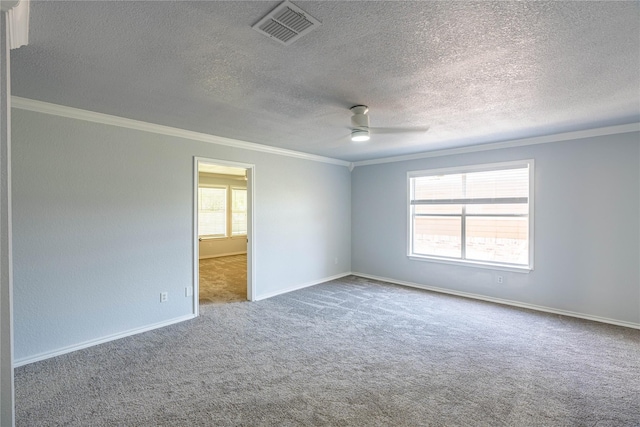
(238, 211)
(437, 187)
(500, 183)
(437, 236)
(513, 209)
(497, 239)
(212, 211)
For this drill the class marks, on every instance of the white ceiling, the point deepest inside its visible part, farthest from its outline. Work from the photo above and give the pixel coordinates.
(474, 72)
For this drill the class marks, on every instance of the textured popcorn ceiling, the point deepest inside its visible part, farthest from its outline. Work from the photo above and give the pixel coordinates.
(475, 72)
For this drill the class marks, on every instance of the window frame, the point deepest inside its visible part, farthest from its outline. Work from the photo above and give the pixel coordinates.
(471, 169)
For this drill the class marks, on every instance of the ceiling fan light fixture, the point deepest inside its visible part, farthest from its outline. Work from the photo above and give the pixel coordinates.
(360, 135)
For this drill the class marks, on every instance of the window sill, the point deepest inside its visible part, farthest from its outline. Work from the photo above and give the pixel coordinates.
(203, 238)
(477, 264)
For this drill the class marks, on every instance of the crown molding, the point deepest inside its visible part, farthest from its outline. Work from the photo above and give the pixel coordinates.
(107, 119)
(6, 5)
(566, 136)
(17, 12)
(90, 116)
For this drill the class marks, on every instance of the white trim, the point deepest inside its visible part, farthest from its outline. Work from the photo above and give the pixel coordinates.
(6, 5)
(470, 263)
(105, 339)
(217, 237)
(472, 168)
(108, 338)
(225, 254)
(195, 268)
(18, 20)
(503, 301)
(107, 119)
(566, 136)
(301, 286)
(7, 387)
(90, 116)
(251, 233)
(532, 211)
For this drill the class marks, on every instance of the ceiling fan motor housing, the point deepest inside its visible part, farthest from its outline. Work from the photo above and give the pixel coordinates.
(360, 119)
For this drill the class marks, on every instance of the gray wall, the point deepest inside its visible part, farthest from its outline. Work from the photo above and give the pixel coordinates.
(587, 215)
(103, 224)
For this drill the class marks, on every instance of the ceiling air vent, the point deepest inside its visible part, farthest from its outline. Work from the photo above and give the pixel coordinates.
(286, 23)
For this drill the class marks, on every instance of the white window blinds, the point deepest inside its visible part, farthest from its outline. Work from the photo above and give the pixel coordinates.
(212, 211)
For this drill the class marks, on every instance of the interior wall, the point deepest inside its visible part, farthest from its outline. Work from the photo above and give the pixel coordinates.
(587, 215)
(223, 246)
(103, 224)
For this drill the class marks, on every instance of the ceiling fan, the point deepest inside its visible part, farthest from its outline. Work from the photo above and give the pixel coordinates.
(361, 131)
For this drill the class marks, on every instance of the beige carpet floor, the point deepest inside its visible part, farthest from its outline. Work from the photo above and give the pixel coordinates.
(223, 279)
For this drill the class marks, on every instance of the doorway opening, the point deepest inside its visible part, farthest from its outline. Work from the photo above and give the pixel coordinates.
(223, 228)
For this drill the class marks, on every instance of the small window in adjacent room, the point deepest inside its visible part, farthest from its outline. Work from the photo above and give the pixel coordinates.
(480, 215)
(238, 211)
(212, 211)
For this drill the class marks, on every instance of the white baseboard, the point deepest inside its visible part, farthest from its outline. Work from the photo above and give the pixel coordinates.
(502, 301)
(221, 255)
(301, 286)
(91, 343)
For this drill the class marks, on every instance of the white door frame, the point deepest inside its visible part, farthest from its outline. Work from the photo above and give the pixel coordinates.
(251, 209)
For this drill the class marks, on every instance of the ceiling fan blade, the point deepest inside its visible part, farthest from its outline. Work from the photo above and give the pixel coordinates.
(382, 130)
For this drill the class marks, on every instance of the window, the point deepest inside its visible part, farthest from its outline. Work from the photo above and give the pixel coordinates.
(222, 211)
(238, 211)
(212, 211)
(476, 215)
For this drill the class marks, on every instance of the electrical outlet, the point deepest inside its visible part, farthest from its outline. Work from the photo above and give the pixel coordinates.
(164, 296)
(335, 260)
(188, 291)
(500, 280)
